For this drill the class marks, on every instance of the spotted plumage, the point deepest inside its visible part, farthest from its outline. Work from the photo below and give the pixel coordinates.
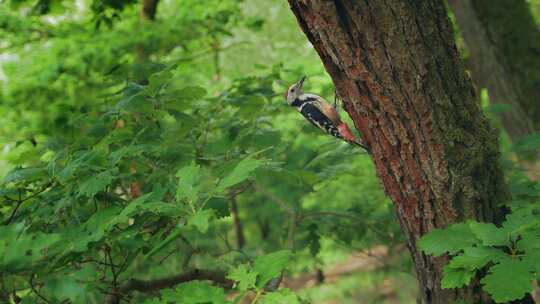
(311, 110)
(320, 113)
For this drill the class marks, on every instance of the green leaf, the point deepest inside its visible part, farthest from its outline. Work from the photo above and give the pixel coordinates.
(220, 206)
(474, 258)
(246, 279)
(510, 280)
(157, 81)
(522, 189)
(135, 102)
(279, 297)
(456, 277)
(27, 174)
(132, 207)
(195, 292)
(529, 143)
(201, 220)
(520, 220)
(21, 252)
(65, 287)
(186, 186)
(101, 221)
(171, 237)
(498, 108)
(95, 184)
(165, 209)
(451, 240)
(180, 100)
(191, 93)
(270, 266)
(117, 155)
(529, 241)
(532, 258)
(489, 234)
(241, 172)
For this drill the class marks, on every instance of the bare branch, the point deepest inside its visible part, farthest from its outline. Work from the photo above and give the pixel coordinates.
(34, 290)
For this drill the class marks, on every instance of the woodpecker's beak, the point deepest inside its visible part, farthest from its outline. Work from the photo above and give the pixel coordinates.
(300, 82)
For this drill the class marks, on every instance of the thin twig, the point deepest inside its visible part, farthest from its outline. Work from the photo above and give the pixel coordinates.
(282, 204)
(238, 229)
(167, 256)
(97, 262)
(34, 290)
(12, 216)
(21, 200)
(113, 270)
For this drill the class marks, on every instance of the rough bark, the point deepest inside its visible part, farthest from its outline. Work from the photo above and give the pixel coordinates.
(396, 66)
(500, 39)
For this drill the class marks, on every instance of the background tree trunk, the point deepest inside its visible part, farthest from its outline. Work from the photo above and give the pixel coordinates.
(149, 9)
(504, 45)
(147, 14)
(396, 66)
(504, 57)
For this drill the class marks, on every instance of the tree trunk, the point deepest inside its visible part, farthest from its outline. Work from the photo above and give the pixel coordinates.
(504, 45)
(148, 9)
(147, 13)
(396, 66)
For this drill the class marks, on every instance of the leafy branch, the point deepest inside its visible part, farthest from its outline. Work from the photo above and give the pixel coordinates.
(218, 277)
(21, 200)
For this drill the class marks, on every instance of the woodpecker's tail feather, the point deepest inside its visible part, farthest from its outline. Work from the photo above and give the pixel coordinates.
(346, 132)
(361, 146)
(347, 135)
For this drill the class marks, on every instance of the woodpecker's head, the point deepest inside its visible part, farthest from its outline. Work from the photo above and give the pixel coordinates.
(295, 91)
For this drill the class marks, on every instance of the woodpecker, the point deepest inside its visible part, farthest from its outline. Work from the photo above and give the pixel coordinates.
(320, 113)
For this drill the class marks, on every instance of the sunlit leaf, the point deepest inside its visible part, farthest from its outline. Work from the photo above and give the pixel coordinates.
(97, 183)
(246, 279)
(509, 280)
(451, 239)
(201, 220)
(240, 173)
(456, 277)
(270, 266)
(187, 187)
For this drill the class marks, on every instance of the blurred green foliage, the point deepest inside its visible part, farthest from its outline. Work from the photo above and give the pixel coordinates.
(146, 149)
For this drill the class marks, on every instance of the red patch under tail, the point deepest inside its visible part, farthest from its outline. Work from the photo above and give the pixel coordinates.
(346, 132)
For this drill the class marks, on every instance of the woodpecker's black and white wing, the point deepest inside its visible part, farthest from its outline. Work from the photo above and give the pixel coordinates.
(312, 112)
